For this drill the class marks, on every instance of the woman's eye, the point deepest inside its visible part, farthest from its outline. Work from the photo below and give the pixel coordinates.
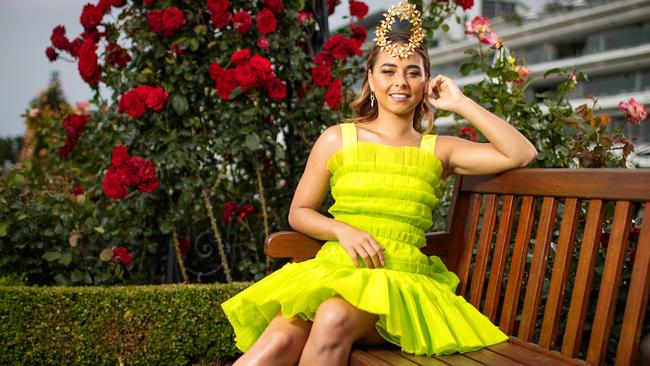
(388, 72)
(414, 74)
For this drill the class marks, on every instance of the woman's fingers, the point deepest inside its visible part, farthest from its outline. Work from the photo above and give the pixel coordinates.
(372, 254)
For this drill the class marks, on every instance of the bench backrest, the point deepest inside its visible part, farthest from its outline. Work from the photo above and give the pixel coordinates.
(513, 240)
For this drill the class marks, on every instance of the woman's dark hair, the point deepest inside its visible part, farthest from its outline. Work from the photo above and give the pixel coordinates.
(364, 112)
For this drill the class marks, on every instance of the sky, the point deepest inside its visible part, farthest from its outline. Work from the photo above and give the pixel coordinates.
(25, 29)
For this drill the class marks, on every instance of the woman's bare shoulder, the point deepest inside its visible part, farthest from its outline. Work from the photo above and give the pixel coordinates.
(327, 143)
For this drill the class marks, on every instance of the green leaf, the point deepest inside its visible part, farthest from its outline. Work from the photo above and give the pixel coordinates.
(100, 229)
(445, 28)
(468, 67)
(252, 141)
(51, 256)
(19, 180)
(556, 70)
(3, 229)
(179, 103)
(66, 259)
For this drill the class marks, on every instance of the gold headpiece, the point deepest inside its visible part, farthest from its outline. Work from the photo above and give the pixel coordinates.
(404, 11)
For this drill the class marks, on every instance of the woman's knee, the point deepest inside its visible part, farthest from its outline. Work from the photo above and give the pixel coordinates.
(335, 318)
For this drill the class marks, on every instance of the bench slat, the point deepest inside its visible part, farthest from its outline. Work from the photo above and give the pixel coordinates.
(459, 360)
(482, 254)
(535, 280)
(560, 273)
(421, 360)
(584, 276)
(360, 357)
(490, 357)
(637, 300)
(530, 354)
(517, 264)
(466, 257)
(610, 284)
(499, 258)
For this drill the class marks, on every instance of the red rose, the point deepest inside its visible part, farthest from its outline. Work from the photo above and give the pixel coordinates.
(132, 103)
(113, 187)
(266, 22)
(77, 190)
(244, 210)
(143, 91)
(358, 33)
(149, 2)
(218, 6)
(88, 67)
(242, 22)
(131, 172)
(184, 245)
(119, 156)
(358, 9)
(321, 75)
(51, 54)
(263, 68)
(331, 5)
(245, 75)
(116, 55)
(75, 46)
(220, 20)
(275, 5)
(467, 133)
(157, 98)
(91, 16)
(333, 94)
(74, 125)
(121, 255)
(277, 89)
(241, 57)
(341, 47)
(466, 4)
(323, 58)
(58, 38)
(263, 43)
(172, 19)
(154, 18)
(148, 177)
(228, 210)
(225, 85)
(215, 71)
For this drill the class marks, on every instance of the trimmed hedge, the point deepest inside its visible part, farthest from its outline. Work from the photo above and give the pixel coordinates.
(168, 324)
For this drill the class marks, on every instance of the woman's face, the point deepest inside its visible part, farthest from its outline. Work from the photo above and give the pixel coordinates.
(398, 84)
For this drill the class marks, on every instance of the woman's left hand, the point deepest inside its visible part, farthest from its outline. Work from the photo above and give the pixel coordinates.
(442, 93)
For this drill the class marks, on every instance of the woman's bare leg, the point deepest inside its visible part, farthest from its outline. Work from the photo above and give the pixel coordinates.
(336, 327)
(281, 343)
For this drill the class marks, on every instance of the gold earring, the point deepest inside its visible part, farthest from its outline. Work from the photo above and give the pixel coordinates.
(372, 99)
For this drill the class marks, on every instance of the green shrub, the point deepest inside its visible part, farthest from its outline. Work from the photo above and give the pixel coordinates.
(165, 325)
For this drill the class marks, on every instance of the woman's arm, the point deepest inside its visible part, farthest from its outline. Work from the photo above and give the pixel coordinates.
(311, 190)
(507, 148)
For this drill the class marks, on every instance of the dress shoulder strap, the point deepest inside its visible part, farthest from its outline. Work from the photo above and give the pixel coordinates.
(429, 143)
(348, 133)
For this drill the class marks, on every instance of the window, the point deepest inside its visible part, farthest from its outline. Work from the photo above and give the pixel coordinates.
(496, 8)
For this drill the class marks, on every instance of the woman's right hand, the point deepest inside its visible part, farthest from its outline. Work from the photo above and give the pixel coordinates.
(359, 243)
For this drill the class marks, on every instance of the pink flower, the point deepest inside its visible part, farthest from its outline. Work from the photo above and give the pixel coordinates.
(263, 43)
(478, 25)
(304, 16)
(634, 110)
(523, 72)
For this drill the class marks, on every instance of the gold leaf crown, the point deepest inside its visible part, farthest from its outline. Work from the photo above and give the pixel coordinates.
(403, 11)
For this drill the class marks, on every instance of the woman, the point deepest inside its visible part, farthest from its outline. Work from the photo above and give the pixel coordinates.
(369, 283)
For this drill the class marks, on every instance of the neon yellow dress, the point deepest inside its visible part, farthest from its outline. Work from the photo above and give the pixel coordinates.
(388, 192)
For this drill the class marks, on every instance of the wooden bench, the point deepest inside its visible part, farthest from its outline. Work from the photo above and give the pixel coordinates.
(536, 291)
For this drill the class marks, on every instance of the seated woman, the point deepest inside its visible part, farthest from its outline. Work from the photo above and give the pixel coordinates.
(369, 283)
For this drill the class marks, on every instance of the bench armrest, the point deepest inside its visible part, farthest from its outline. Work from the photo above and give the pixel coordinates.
(291, 244)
